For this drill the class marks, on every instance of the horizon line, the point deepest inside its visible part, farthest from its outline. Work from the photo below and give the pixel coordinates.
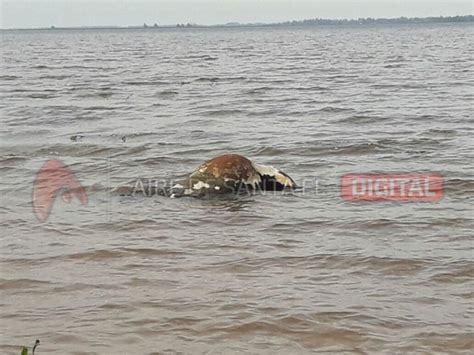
(334, 21)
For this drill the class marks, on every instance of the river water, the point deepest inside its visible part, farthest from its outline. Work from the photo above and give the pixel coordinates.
(289, 273)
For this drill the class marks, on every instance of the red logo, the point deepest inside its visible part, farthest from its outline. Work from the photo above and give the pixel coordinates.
(392, 187)
(53, 178)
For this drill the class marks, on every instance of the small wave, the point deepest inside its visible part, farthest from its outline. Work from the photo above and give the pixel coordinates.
(221, 113)
(270, 151)
(91, 255)
(258, 90)
(312, 88)
(101, 108)
(208, 57)
(234, 78)
(451, 222)
(145, 82)
(351, 149)
(366, 119)
(71, 149)
(385, 265)
(22, 284)
(55, 77)
(392, 66)
(41, 67)
(460, 272)
(95, 69)
(41, 96)
(403, 85)
(21, 90)
(207, 79)
(335, 109)
(152, 251)
(167, 93)
(100, 60)
(103, 94)
(9, 77)
(461, 186)
(441, 132)
(12, 159)
(396, 59)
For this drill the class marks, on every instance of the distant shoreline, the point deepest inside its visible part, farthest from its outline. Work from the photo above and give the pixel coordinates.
(317, 22)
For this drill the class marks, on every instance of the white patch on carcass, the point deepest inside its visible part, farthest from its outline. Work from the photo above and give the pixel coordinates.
(266, 170)
(177, 186)
(253, 180)
(271, 171)
(217, 187)
(199, 185)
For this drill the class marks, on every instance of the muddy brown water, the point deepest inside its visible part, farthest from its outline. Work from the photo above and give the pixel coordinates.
(262, 274)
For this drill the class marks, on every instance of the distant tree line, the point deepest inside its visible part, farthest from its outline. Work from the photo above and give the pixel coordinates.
(178, 25)
(369, 20)
(312, 22)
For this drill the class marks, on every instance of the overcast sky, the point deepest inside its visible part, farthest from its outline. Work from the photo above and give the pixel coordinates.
(44, 13)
